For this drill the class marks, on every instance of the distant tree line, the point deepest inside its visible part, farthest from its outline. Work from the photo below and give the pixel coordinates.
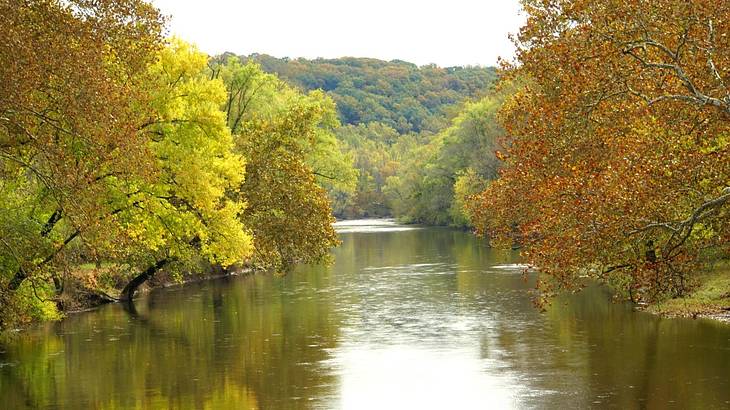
(398, 94)
(406, 128)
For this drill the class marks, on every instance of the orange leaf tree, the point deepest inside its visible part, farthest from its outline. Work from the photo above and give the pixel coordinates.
(70, 104)
(618, 163)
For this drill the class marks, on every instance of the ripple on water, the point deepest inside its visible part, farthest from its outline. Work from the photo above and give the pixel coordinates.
(512, 268)
(415, 269)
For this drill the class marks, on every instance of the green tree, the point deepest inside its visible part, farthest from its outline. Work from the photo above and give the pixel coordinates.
(253, 93)
(288, 212)
(425, 190)
(370, 147)
(396, 93)
(292, 154)
(468, 183)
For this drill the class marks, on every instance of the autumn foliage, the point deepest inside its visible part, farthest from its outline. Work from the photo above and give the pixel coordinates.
(70, 107)
(618, 158)
(117, 149)
(289, 214)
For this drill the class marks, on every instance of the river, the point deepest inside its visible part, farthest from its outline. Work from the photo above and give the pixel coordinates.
(406, 317)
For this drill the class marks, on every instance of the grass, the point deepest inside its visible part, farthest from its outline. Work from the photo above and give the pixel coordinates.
(711, 298)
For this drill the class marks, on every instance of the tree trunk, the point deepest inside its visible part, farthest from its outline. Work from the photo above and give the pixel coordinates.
(17, 279)
(21, 274)
(131, 288)
(650, 252)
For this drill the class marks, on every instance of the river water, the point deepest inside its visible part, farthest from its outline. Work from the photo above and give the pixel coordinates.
(405, 318)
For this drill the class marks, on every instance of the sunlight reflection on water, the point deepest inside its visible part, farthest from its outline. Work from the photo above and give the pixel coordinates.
(408, 377)
(371, 226)
(421, 350)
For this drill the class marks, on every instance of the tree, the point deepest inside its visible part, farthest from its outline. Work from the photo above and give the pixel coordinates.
(370, 147)
(618, 163)
(395, 93)
(468, 183)
(287, 138)
(425, 189)
(70, 104)
(251, 92)
(185, 216)
(288, 212)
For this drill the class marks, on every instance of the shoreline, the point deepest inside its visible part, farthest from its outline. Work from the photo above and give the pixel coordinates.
(150, 288)
(709, 300)
(667, 309)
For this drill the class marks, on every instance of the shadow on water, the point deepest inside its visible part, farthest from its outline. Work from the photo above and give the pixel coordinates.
(405, 318)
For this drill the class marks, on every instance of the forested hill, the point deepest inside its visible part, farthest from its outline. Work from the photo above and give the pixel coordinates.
(399, 94)
(398, 119)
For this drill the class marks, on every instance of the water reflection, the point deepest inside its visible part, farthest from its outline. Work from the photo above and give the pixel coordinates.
(372, 226)
(408, 376)
(419, 318)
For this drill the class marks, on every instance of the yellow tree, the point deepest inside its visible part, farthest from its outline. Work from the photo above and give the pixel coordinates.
(619, 151)
(185, 215)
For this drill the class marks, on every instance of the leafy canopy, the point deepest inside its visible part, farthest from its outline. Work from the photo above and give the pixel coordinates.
(618, 159)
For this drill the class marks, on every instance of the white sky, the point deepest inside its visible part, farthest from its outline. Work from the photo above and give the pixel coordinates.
(446, 32)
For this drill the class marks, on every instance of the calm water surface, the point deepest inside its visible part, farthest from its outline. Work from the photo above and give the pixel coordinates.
(405, 318)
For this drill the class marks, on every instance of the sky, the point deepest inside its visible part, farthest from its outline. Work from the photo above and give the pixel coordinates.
(445, 32)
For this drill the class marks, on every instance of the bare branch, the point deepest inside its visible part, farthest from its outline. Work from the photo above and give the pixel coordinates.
(695, 96)
(711, 62)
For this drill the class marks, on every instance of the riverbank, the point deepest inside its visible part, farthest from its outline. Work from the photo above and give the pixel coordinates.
(84, 294)
(710, 300)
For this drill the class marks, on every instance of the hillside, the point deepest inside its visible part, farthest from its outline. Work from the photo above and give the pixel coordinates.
(396, 93)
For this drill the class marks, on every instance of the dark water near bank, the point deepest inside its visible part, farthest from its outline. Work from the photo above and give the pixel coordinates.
(405, 318)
